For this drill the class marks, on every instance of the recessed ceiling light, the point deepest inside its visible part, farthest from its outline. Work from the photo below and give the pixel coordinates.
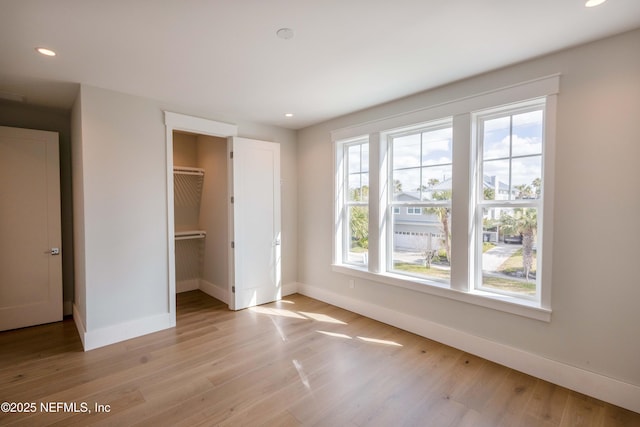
(285, 33)
(45, 51)
(594, 3)
(288, 115)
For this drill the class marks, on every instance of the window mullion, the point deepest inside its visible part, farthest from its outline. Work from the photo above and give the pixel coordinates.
(377, 205)
(462, 202)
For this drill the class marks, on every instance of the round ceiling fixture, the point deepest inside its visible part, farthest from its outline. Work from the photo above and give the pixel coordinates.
(288, 114)
(285, 33)
(44, 51)
(594, 3)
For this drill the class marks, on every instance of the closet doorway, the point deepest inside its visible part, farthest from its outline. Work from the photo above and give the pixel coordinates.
(201, 225)
(223, 200)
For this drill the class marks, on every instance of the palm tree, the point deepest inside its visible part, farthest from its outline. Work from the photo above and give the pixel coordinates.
(359, 218)
(397, 186)
(537, 186)
(443, 214)
(489, 193)
(359, 225)
(523, 221)
(524, 191)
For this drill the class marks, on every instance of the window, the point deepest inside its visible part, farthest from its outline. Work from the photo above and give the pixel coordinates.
(510, 145)
(421, 178)
(453, 204)
(356, 207)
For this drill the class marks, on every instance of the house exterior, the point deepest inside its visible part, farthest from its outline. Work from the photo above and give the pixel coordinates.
(415, 229)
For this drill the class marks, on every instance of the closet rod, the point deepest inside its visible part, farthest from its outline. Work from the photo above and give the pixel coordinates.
(184, 170)
(185, 235)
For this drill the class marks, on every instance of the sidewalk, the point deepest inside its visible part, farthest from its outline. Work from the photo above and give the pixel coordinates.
(494, 257)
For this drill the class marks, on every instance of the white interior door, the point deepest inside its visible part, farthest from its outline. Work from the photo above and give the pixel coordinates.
(30, 233)
(255, 270)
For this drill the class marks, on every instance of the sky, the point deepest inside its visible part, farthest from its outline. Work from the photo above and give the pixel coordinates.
(511, 149)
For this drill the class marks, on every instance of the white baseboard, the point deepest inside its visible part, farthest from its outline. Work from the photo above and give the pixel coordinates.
(187, 285)
(289, 288)
(121, 332)
(610, 390)
(215, 291)
(110, 335)
(77, 319)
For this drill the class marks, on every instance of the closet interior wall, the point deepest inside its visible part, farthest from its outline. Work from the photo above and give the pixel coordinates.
(201, 262)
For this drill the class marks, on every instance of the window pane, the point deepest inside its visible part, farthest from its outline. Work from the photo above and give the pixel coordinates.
(495, 141)
(406, 184)
(527, 133)
(364, 165)
(354, 187)
(509, 250)
(353, 156)
(406, 151)
(436, 183)
(525, 177)
(358, 187)
(357, 252)
(420, 245)
(436, 147)
(495, 182)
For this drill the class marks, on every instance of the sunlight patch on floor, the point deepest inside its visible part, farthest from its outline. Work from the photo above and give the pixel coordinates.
(301, 374)
(322, 318)
(335, 334)
(365, 339)
(318, 317)
(377, 341)
(279, 329)
(277, 312)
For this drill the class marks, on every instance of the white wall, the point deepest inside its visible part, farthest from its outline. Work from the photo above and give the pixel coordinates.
(120, 201)
(80, 294)
(596, 290)
(124, 169)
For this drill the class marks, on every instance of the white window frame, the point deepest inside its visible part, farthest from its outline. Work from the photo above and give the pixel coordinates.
(413, 208)
(464, 221)
(343, 202)
(479, 118)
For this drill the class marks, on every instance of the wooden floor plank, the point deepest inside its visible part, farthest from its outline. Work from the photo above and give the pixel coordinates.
(290, 363)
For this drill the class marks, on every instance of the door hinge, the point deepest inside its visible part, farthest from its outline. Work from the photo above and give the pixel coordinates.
(233, 245)
(233, 289)
(232, 199)
(231, 154)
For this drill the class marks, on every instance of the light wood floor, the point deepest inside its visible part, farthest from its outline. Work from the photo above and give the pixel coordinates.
(295, 362)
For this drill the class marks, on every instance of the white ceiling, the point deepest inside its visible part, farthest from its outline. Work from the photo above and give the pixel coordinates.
(222, 58)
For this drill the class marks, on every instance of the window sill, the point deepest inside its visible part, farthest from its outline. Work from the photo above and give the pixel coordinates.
(498, 302)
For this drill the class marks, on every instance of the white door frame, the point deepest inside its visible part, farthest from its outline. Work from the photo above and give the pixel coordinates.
(181, 122)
